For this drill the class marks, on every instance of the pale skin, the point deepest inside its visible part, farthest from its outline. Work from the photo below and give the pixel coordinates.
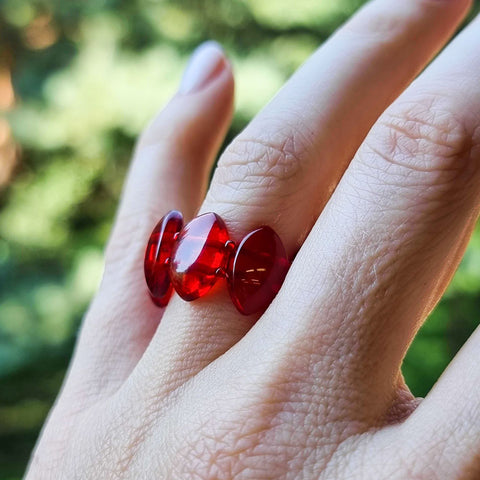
(374, 179)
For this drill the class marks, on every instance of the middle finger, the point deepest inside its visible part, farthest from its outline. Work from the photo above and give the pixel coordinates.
(282, 169)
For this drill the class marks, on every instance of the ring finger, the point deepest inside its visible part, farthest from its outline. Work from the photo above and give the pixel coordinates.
(388, 242)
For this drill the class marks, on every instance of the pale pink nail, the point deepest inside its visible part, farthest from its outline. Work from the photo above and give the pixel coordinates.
(206, 63)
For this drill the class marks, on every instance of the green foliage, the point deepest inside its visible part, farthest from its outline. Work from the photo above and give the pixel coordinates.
(88, 74)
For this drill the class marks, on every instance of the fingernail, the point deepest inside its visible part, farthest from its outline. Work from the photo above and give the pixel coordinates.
(206, 63)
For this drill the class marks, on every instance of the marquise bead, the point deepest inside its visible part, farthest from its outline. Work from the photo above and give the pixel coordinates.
(199, 255)
(159, 251)
(256, 270)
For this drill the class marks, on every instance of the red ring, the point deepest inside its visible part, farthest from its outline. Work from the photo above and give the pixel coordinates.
(192, 258)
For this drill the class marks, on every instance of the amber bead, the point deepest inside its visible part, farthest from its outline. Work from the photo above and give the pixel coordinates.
(257, 270)
(199, 256)
(157, 257)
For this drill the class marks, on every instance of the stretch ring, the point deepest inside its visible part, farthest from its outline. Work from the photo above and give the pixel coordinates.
(191, 258)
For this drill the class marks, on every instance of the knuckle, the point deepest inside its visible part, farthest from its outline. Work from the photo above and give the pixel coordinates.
(430, 135)
(261, 171)
(263, 160)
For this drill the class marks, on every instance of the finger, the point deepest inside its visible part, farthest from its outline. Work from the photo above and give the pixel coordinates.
(169, 170)
(282, 168)
(445, 428)
(390, 238)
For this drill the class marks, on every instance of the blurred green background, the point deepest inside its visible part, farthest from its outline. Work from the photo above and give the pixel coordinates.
(78, 81)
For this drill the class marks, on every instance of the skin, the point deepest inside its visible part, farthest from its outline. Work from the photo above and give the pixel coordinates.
(374, 178)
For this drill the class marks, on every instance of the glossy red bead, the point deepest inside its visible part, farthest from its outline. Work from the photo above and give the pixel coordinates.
(157, 256)
(198, 255)
(256, 271)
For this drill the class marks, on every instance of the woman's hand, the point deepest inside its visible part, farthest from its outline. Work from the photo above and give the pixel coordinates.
(313, 390)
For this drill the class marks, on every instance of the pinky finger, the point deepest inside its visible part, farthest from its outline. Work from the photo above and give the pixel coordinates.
(446, 425)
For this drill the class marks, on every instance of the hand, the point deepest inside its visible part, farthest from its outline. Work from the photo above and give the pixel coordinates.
(379, 198)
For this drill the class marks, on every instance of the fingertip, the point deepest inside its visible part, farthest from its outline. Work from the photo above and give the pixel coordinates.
(203, 102)
(207, 62)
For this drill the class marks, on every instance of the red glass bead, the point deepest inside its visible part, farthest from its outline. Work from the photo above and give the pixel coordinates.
(199, 256)
(157, 255)
(256, 271)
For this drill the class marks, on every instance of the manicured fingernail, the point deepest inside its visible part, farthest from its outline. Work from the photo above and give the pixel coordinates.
(206, 63)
